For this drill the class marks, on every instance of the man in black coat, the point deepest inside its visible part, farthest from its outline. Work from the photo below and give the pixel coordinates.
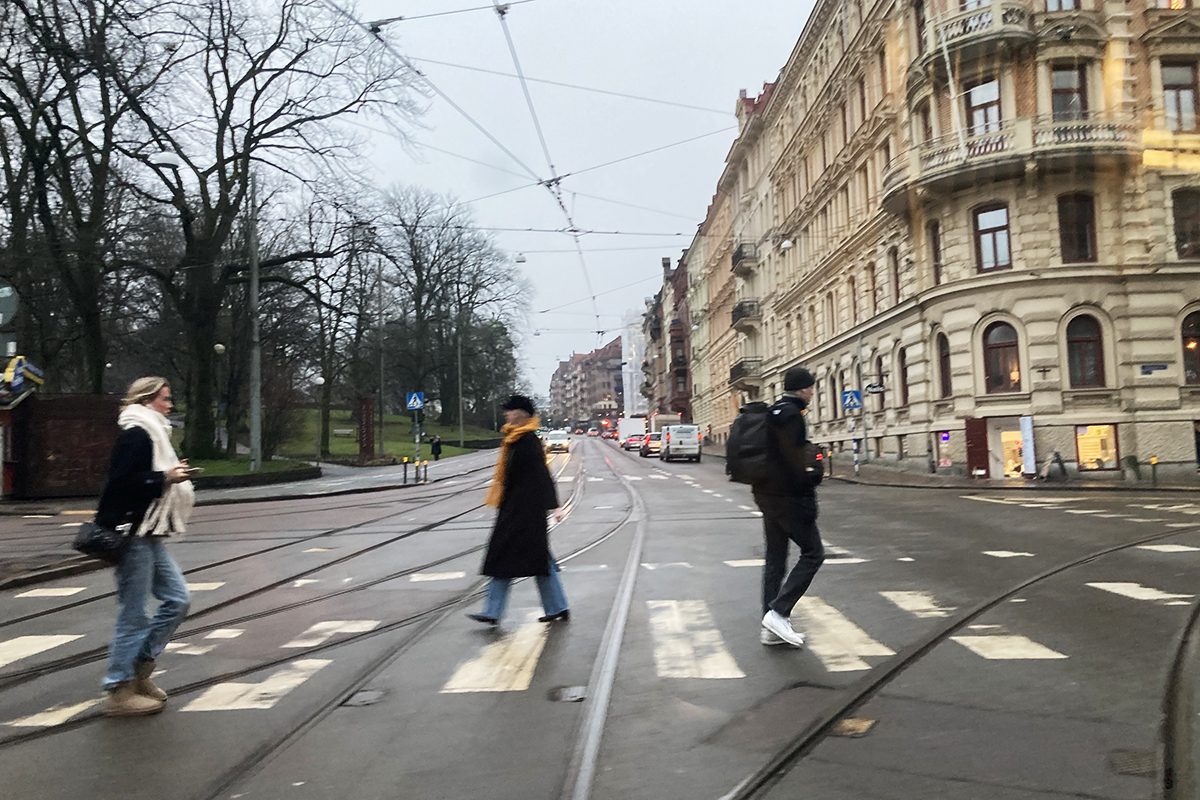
(523, 493)
(788, 503)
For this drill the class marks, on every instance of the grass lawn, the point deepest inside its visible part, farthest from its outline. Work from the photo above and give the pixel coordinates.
(398, 439)
(241, 466)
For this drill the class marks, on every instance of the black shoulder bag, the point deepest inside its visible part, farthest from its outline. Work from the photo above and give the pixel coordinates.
(106, 544)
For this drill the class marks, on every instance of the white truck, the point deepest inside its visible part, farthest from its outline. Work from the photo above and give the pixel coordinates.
(660, 421)
(630, 426)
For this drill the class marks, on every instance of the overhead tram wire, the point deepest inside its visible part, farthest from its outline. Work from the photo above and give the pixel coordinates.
(553, 185)
(607, 291)
(388, 20)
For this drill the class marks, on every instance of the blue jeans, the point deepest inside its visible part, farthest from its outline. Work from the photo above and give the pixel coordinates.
(554, 599)
(146, 569)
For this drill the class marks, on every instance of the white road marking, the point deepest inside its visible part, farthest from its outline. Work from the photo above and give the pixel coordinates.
(1019, 600)
(728, 499)
(1138, 592)
(1084, 510)
(304, 582)
(1007, 647)
(503, 666)
(756, 513)
(205, 587)
(745, 508)
(601, 508)
(653, 567)
(323, 631)
(985, 627)
(225, 633)
(988, 500)
(1181, 524)
(658, 477)
(256, 696)
(26, 646)
(566, 480)
(37, 516)
(55, 715)
(64, 591)
(583, 567)
(844, 560)
(595, 480)
(69, 525)
(633, 478)
(1112, 516)
(746, 562)
(1143, 519)
(905, 558)
(317, 550)
(179, 648)
(436, 576)
(686, 642)
(837, 641)
(708, 491)
(1006, 554)
(922, 605)
(1158, 548)
(833, 549)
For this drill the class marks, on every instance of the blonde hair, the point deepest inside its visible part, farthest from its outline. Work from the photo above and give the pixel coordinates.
(143, 390)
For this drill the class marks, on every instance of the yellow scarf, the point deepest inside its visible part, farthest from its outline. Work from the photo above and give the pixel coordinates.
(511, 434)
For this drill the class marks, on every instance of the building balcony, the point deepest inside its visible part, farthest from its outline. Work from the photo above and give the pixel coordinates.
(679, 364)
(949, 163)
(746, 374)
(745, 259)
(746, 316)
(973, 34)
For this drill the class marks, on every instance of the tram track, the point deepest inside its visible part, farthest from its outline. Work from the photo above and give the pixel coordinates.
(1175, 757)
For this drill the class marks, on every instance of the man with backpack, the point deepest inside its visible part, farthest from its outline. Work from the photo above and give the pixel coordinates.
(768, 448)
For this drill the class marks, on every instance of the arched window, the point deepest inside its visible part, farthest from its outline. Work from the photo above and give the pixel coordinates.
(852, 289)
(881, 397)
(1191, 347)
(894, 261)
(872, 290)
(943, 345)
(833, 397)
(1001, 362)
(1085, 352)
(902, 376)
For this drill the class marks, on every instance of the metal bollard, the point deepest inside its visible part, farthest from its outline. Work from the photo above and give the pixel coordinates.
(1154, 470)
(426, 478)
(405, 480)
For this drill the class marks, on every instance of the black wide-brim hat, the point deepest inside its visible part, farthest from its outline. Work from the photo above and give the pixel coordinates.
(519, 402)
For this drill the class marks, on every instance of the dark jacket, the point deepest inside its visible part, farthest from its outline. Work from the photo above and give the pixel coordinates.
(435, 447)
(519, 545)
(790, 432)
(132, 483)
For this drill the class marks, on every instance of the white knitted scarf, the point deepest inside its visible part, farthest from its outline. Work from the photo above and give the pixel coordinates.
(168, 515)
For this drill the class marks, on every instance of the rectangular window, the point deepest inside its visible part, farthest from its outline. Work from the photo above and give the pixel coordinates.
(983, 107)
(934, 230)
(1186, 203)
(1068, 92)
(1077, 228)
(991, 238)
(971, 5)
(1096, 447)
(1179, 96)
(919, 18)
(1062, 5)
(926, 124)
(861, 92)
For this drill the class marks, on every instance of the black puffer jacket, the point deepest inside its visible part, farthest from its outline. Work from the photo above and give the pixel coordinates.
(789, 434)
(132, 482)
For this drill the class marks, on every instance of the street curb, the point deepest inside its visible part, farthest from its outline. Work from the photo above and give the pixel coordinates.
(1056, 487)
(62, 570)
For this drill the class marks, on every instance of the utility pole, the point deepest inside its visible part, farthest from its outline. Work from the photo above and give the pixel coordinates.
(381, 433)
(461, 437)
(255, 343)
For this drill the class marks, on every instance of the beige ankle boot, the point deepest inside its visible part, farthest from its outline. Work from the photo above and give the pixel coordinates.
(126, 702)
(143, 685)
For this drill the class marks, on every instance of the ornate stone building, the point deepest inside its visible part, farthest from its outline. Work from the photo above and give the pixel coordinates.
(985, 212)
(589, 386)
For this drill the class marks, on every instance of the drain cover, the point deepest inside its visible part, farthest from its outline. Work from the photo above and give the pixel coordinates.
(1139, 763)
(853, 727)
(365, 697)
(569, 694)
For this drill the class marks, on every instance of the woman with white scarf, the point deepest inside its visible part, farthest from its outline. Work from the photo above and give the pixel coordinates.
(149, 493)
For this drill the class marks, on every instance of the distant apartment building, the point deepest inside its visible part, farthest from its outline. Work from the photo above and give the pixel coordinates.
(983, 215)
(666, 370)
(589, 385)
(633, 342)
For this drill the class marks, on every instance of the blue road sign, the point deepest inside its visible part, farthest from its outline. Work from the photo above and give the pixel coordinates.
(416, 400)
(852, 400)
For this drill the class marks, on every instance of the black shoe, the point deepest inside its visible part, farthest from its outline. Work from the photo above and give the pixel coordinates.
(562, 616)
(484, 619)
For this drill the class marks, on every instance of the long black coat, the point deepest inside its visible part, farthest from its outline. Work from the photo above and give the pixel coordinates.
(519, 545)
(132, 483)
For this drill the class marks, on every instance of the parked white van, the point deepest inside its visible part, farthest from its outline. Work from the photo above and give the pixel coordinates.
(680, 441)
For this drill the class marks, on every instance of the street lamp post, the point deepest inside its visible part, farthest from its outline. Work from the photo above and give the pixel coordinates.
(319, 382)
(219, 349)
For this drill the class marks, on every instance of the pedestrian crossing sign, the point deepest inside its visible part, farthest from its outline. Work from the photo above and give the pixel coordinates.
(416, 400)
(852, 400)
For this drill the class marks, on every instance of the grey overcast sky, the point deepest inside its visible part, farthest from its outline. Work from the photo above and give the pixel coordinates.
(695, 53)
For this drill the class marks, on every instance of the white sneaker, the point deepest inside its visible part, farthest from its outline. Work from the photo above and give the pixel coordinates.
(774, 622)
(769, 639)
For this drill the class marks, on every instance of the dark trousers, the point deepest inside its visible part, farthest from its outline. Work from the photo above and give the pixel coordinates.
(789, 519)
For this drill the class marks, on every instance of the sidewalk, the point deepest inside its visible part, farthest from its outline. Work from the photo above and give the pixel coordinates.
(26, 562)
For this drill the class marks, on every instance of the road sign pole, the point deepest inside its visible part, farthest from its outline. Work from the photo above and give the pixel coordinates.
(862, 412)
(852, 430)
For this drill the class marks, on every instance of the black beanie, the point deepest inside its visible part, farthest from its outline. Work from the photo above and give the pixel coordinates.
(519, 403)
(797, 378)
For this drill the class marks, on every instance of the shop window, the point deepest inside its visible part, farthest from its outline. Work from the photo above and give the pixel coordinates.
(991, 238)
(902, 375)
(1085, 352)
(1186, 205)
(983, 107)
(1179, 96)
(934, 231)
(1096, 447)
(1001, 361)
(1190, 333)
(943, 344)
(1068, 92)
(1077, 228)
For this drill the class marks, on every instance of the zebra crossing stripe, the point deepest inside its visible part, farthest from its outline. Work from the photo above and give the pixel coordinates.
(922, 605)
(235, 696)
(1006, 647)
(324, 631)
(687, 643)
(838, 642)
(1135, 591)
(26, 646)
(503, 666)
(55, 715)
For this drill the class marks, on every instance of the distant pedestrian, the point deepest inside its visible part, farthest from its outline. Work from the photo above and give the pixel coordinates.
(435, 447)
(788, 502)
(524, 492)
(148, 491)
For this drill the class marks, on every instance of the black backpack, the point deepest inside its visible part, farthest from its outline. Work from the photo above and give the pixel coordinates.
(752, 455)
